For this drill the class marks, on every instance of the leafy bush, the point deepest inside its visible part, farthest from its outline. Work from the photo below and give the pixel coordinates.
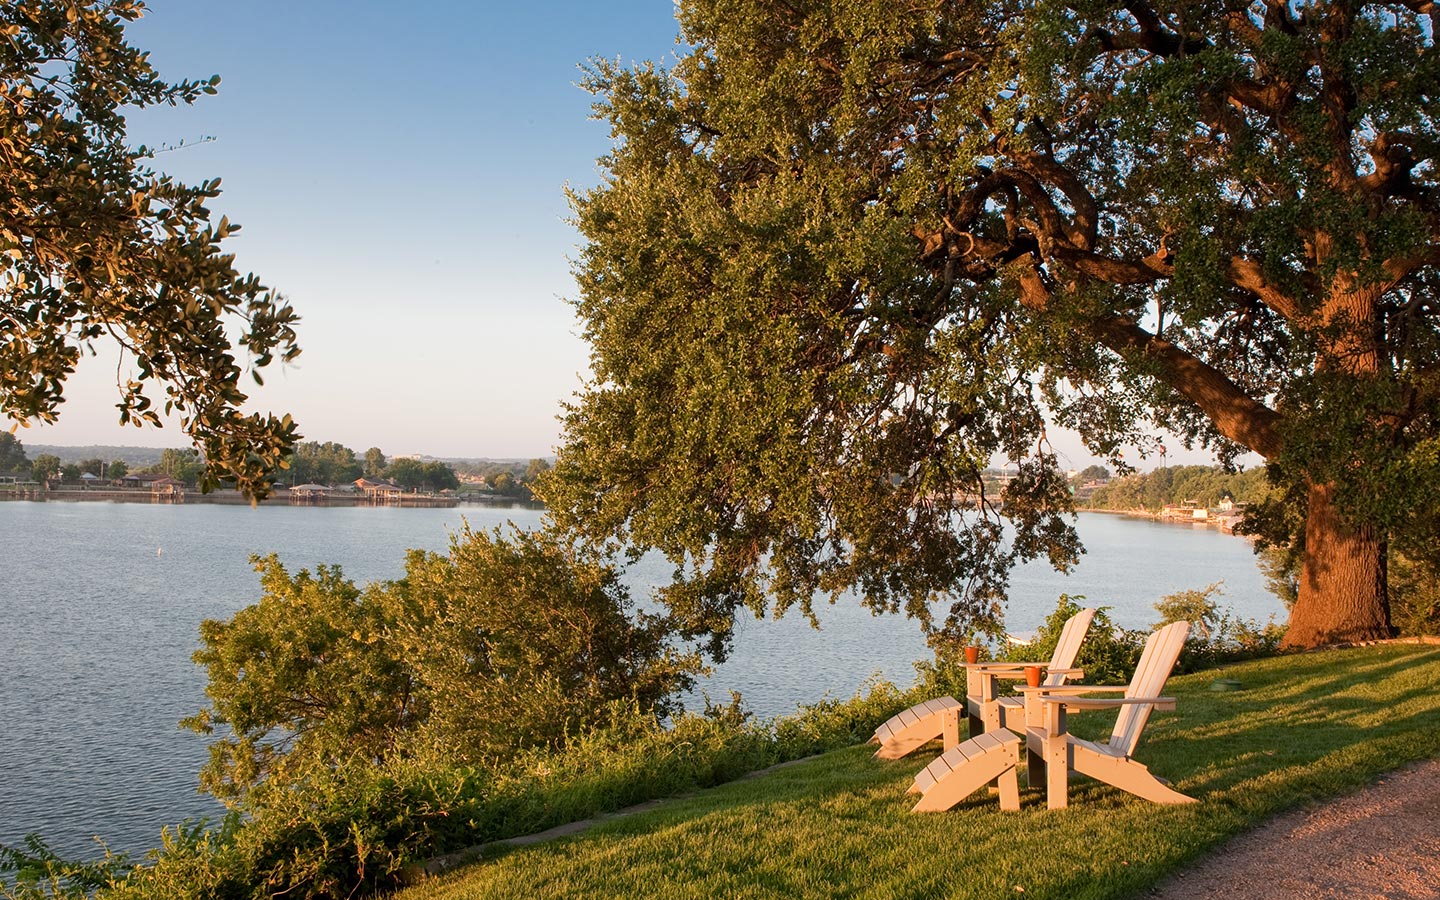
(831, 724)
(304, 676)
(505, 644)
(1414, 594)
(40, 874)
(1108, 654)
(1216, 637)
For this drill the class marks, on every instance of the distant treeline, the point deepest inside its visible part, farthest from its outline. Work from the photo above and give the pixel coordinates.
(1202, 485)
(313, 462)
(331, 463)
(72, 463)
(136, 458)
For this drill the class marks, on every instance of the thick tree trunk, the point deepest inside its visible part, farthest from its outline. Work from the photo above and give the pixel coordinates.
(1342, 582)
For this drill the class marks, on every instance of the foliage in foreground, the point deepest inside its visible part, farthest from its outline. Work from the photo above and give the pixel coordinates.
(1305, 727)
(504, 644)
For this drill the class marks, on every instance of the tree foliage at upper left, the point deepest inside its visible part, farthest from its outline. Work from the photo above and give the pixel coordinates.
(95, 243)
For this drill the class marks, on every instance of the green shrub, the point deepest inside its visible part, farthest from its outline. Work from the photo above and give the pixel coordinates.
(504, 644)
(831, 724)
(1414, 594)
(40, 874)
(1216, 637)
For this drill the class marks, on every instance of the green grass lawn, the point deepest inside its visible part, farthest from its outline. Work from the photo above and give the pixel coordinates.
(1304, 728)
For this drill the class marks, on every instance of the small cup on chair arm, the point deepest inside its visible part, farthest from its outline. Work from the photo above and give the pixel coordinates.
(972, 655)
(1033, 675)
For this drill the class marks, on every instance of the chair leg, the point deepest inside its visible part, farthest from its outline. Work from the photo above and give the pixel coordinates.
(1009, 790)
(1034, 768)
(1057, 778)
(1130, 776)
(950, 728)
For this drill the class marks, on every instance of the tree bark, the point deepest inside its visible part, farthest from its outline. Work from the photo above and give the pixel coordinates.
(1342, 580)
(1343, 594)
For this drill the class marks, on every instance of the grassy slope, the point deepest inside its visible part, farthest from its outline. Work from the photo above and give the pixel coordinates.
(1305, 727)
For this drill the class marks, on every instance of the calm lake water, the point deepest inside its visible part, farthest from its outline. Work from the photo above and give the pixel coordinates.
(102, 603)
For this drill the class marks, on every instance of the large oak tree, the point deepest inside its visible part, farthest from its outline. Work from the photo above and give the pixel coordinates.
(847, 252)
(96, 245)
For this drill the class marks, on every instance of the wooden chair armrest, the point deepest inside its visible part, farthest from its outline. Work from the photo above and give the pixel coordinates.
(995, 668)
(1072, 689)
(1013, 671)
(1166, 703)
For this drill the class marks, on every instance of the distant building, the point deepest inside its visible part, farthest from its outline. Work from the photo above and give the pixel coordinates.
(141, 479)
(167, 485)
(378, 490)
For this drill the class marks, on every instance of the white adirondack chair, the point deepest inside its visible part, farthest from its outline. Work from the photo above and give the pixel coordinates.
(994, 755)
(1055, 752)
(912, 728)
(989, 711)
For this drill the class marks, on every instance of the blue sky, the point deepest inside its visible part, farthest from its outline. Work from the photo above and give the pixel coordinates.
(398, 171)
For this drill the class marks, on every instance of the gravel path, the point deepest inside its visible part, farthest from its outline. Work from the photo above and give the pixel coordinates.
(1383, 842)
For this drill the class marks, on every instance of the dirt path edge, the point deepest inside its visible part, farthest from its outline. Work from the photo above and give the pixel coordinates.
(1380, 843)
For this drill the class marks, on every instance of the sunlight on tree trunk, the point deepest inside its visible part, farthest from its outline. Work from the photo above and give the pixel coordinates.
(1342, 583)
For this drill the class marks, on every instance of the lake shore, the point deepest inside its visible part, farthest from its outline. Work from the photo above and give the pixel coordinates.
(1223, 523)
(281, 497)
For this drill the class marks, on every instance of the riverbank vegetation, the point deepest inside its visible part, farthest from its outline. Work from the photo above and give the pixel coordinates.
(362, 731)
(1204, 486)
(506, 643)
(1303, 727)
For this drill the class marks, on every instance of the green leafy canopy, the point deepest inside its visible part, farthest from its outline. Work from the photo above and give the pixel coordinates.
(847, 253)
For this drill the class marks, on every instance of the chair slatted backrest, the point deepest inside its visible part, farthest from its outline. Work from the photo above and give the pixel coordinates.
(1161, 651)
(1068, 647)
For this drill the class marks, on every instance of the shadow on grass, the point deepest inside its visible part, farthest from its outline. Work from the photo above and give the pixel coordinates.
(1304, 727)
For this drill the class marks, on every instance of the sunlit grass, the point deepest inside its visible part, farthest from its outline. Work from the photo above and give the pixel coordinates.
(1304, 728)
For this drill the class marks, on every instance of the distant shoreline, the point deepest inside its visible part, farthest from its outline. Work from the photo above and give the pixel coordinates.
(1222, 524)
(235, 498)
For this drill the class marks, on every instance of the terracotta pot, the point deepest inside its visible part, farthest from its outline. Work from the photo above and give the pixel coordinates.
(972, 655)
(1032, 675)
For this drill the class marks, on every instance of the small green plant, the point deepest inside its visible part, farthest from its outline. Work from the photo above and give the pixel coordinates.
(1193, 606)
(1216, 636)
(41, 874)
